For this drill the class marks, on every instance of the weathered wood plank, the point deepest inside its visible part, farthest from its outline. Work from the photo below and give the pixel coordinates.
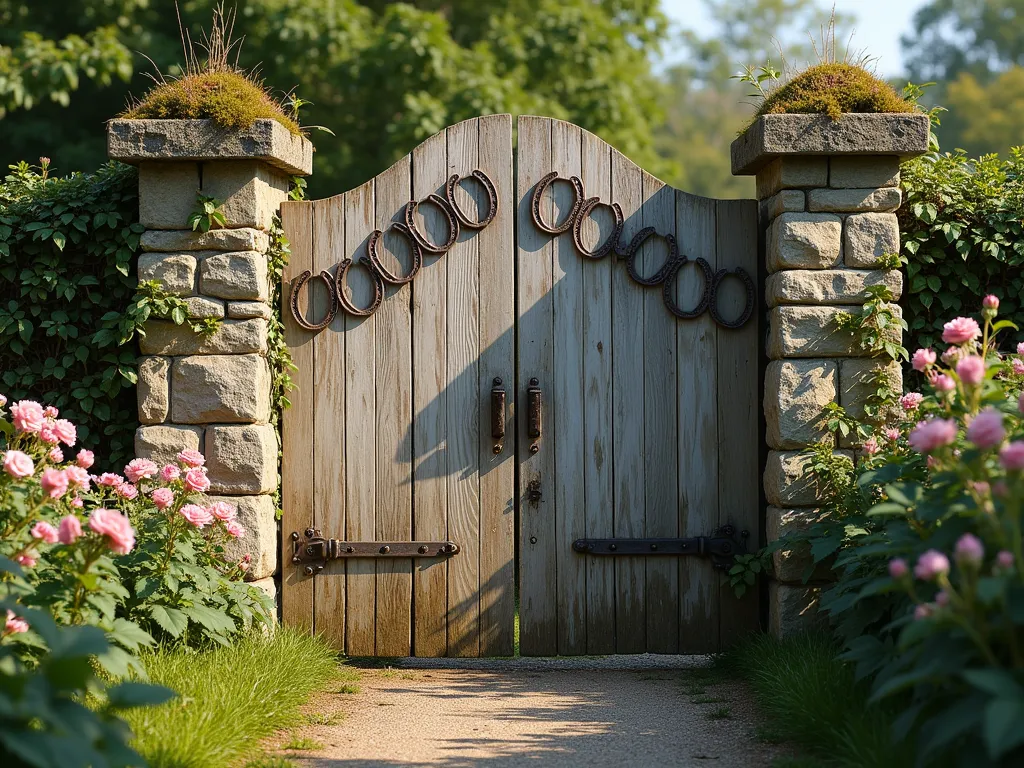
(538, 610)
(297, 426)
(697, 426)
(738, 387)
(361, 432)
(660, 442)
(597, 381)
(430, 425)
(566, 406)
(329, 412)
(497, 359)
(392, 191)
(628, 419)
(463, 393)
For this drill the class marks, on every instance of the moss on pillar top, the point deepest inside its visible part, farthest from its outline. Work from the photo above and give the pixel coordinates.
(835, 89)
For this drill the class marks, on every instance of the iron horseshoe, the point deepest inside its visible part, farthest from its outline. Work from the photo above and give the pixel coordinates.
(670, 283)
(294, 301)
(386, 275)
(633, 249)
(453, 224)
(748, 306)
(339, 289)
(577, 229)
(538, 193)
(492, 200)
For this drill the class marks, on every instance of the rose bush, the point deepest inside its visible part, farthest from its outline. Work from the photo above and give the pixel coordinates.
(926, 532)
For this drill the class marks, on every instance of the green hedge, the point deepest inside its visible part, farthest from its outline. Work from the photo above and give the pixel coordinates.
(962, 236)
(68, 303)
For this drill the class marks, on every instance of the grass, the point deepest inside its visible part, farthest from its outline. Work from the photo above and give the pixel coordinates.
(810, 698)
(348, 688)
(299, 744)
(271, 762)
(324, 718)
(229, 699)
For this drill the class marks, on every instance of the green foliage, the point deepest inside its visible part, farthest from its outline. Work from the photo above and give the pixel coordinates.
(961, 224)
(207, 214)
(257, 686)
(744, 571)
(833, 89)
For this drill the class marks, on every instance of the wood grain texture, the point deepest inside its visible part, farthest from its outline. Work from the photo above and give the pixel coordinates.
(497, 359)
(297, 427)
(329, 413)
(430, 425)
(463, 392)
(738, 402)
(597, 393)
(697, 426)
(538, 622)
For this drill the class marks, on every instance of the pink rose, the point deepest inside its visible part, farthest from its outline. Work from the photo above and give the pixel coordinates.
(66, 431)
(929, 436)
(960, 330)
(51, 412)
(191, 458)
(110, 480)
(138, 469)
(969, 550)
(980, 487)
(986, 430)
(892, 434)
(234, 528)
(196, 480)
(27, 416)
(971, 370)
(14, 625)
(942, 598)
(924, 359)
(85, 459)
(163, 498)
(1018, 366)
(898, 568)
(931, 565)
(27, 560)
(77, 477)
(3, 400)
(922, 611)
(870, 446)
(1012, 456)
(196, 515)
(77, 503)
(117, 529)
(56, 455)
(127, 491)
(244, 562)
(18, 464)
(911, 401)
(48, 433)
(70, 529)
(990, 302)
(944, 383)
(54, 482)
(1020, 349)
(1004, 559)
(951, 355)
(44, 531)
(222, 511)
(170, 473)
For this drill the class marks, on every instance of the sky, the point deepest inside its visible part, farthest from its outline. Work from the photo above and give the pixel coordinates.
(879, 25)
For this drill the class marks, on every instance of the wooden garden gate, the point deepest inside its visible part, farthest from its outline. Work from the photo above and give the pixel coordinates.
(555, 411)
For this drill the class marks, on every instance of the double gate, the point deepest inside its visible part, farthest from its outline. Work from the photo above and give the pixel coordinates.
(524, 387)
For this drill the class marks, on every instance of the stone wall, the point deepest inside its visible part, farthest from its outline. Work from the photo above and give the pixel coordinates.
(828, 193)
(213, 393)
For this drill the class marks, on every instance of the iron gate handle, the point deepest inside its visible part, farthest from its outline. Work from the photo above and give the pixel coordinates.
(534, 404)
(498, 415)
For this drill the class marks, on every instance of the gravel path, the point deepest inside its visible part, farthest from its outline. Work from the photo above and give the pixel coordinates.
(531, 712)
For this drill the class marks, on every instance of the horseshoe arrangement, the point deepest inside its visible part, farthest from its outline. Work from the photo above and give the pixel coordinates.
(666, 276)
(419, 244)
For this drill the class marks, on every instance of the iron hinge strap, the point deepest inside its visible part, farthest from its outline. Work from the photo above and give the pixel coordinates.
(314, 550)
(721, 547)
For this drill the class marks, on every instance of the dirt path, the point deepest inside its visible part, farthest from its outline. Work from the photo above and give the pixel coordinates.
(517, 714)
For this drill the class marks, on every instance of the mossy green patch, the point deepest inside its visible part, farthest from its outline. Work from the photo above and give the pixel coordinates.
(229, 98)
(834, 89)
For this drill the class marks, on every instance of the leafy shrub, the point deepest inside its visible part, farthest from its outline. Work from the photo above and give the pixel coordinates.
(927, 539)
(963, 235)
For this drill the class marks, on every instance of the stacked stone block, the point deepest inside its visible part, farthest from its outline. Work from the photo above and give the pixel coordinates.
(213, 393)
(828, 193)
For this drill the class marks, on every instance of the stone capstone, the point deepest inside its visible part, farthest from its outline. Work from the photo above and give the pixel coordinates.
(804, 241)
(864, 172)
(163, 443)
(242, 459)
(868, 237)
(789, 481)
(220, 388)
(241, 275)
(176, 272)
(153, 389)
(245, 239)
(232, 337)
(854, 200)
(257, 516)
(792, 172)
(796, 392)
(828, 286)
(793, 610)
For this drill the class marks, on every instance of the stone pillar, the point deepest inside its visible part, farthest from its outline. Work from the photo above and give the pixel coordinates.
(828, 193)
(213, 394)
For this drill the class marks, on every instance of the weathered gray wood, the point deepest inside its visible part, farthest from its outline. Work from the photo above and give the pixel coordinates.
(697, 426)
(497, 359)
(597, 393)
(538, 623)
(297, 427)
(738, 388)
(329, 459)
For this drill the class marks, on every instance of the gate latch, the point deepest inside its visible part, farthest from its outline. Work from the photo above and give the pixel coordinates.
(721, 546)
(314, 550)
